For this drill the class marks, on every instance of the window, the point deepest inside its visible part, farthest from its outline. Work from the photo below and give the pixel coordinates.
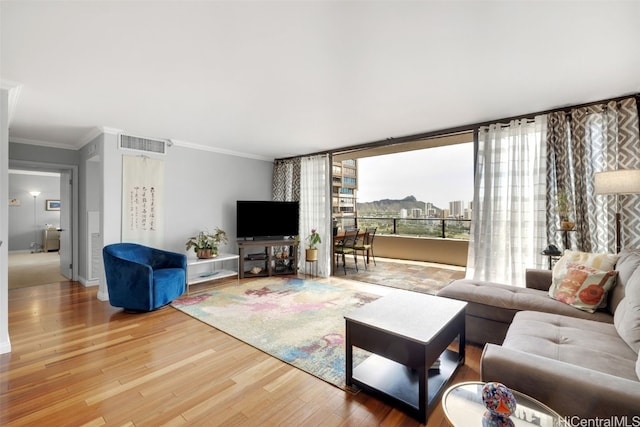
(349, 181)
(426, 188)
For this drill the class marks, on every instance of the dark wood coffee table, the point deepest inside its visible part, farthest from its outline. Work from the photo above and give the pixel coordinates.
(406, 332)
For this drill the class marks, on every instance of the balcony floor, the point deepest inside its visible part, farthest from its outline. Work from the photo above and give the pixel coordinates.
(416, 276)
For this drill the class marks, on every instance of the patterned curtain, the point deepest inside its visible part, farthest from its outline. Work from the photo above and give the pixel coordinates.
(588, 140)
(559, 174)
(508, 229)
(286, 180)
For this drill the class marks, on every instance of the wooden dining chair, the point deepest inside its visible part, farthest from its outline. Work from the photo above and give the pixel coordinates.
(365, 245)
(347, 247)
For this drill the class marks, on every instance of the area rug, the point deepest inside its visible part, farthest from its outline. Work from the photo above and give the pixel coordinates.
(421, 277)
(301, 322)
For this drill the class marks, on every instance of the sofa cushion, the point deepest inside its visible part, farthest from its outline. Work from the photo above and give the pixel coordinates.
(579, 342)
(581, 286)
(500, 302)
(627, 316)
(626, 266)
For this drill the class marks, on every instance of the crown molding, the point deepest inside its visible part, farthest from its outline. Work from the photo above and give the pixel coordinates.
(111, 131)
(99, 130)
(42, 143)
(88, 137)
(194, 146)
(96, 132)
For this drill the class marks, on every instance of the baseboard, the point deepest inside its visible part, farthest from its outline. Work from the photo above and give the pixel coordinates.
(5, 347)
(86, 283)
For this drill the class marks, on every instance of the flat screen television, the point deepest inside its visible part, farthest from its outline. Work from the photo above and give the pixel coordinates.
(262, 220)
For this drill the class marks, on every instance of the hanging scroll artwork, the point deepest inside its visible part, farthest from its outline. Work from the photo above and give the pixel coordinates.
(142, 200)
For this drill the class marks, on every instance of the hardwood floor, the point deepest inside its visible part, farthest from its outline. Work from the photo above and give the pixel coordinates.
(78, 361)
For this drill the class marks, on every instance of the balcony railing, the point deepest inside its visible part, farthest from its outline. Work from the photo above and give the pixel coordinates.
(443, 228)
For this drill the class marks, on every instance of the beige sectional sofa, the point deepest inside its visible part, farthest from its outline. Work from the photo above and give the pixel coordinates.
(584, 365)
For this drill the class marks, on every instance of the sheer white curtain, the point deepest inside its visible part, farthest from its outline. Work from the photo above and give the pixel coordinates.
(508, 229)
(315, 210)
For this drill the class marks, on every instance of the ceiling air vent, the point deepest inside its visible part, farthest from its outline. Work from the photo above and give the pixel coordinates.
(147, 145)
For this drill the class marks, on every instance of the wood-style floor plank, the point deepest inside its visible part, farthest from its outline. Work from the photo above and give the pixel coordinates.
(78, 361)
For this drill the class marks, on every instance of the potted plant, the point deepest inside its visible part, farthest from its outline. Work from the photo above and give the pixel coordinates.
(564, 209)
(311, 253)
(205, 244)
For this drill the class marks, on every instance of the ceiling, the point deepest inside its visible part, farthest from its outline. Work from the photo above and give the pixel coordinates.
(271, 79)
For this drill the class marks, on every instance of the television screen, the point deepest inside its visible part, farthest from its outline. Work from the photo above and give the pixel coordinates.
(266, 219)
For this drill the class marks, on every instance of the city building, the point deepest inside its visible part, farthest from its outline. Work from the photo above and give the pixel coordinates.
(431, 211)
(344, 189)
(456, 209)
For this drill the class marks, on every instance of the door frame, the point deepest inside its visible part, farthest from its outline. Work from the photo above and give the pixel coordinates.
(73, 211)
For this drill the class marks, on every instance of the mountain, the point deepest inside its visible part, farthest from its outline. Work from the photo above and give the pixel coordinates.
(390, 206)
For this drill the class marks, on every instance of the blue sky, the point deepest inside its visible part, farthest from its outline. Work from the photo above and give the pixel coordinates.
(438, 175)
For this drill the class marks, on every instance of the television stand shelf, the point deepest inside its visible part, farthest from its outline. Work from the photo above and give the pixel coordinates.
(266, 258)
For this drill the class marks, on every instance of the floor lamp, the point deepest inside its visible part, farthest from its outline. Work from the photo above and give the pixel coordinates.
(35, 195)
(618, 182)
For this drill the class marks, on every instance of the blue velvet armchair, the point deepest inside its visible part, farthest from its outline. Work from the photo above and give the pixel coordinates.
(140, 278)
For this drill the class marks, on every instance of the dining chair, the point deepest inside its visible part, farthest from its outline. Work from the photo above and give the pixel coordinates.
(347, 247)
(365, 245)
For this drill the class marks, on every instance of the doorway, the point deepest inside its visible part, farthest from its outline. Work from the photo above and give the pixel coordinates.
(41, 224)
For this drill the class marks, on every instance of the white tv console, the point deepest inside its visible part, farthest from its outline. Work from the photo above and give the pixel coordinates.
(204, 270)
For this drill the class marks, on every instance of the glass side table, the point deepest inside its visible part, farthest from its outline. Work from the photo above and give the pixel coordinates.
(462, 405)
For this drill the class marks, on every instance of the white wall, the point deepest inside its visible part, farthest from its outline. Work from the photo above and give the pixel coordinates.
(202, 189)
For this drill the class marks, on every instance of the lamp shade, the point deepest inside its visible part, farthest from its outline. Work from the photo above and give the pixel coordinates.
(34, 193)
(624, 181)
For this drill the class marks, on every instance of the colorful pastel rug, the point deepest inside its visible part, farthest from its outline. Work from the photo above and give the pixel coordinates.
(414, 276)
(298, 321)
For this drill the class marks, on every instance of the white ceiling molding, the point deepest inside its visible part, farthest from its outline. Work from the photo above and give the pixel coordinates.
(111, 131)
(90, 136)
(42, 143)
(95, 132)
(193, 146)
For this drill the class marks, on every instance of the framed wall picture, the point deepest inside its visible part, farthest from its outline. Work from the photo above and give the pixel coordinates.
(53, 205)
